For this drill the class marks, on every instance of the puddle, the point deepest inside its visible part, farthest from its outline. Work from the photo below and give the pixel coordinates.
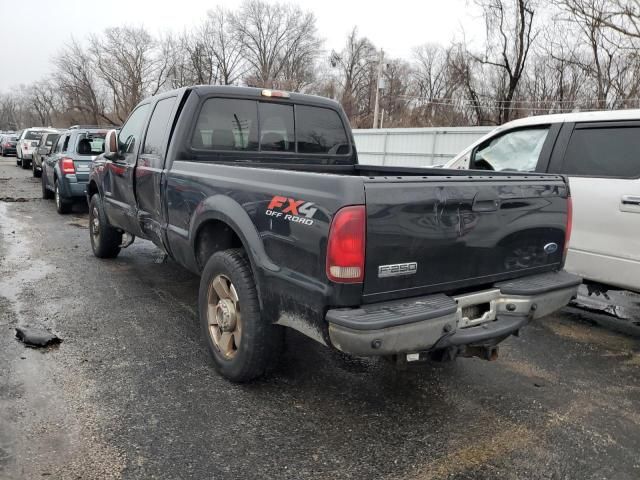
(19, 272)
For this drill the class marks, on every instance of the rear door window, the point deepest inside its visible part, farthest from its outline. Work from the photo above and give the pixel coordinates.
(517, 151)
(158, 125)
(228, 125)
(276, 128)
(604, 152)
(320, 130)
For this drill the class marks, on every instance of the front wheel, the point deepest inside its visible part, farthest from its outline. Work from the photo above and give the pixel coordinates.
(105, 240)
(242, 344)
(25, 164)
(36, 172)
(63, 205)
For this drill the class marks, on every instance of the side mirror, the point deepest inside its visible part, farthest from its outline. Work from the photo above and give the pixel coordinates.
(111, 145)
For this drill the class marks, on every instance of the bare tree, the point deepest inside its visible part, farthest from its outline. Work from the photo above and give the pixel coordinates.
(277, 39)
(510, 35)
(129, 61)
(76, 78)
(356, 65)
(228, 48)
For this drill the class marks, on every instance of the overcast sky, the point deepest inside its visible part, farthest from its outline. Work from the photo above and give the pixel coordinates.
(37, 29)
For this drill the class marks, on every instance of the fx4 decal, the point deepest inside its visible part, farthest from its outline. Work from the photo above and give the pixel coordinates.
(292, 210)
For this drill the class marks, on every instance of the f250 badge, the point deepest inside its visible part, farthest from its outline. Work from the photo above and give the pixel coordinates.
(397, 269)
(292, 210)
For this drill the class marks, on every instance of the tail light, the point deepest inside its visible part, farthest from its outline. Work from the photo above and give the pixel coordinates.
(67, 166)
(567, 231)
(346, 245)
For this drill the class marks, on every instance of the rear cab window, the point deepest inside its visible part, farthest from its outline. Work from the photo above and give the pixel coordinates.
(239, 125)
(603, 151)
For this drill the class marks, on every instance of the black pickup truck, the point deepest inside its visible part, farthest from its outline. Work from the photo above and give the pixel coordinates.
(260, 193)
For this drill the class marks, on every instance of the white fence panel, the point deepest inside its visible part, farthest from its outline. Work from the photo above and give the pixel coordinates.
(414, 147)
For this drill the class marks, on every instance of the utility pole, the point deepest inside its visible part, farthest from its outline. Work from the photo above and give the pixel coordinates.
(378, 81)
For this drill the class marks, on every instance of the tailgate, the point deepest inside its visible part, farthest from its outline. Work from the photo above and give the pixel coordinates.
(447, 234)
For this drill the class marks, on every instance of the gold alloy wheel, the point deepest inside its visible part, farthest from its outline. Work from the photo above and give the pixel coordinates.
(223, 316)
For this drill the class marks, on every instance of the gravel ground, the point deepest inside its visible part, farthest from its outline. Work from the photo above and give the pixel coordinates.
(130, 393)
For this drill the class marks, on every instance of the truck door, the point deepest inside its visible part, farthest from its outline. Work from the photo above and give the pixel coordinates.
(120, 202)
(603, 163)
(149, 168)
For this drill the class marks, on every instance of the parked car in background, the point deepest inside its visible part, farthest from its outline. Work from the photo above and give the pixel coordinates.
(276, 219)
(8, 144)
(65, 171)
(600, 152)
(27, 143)
(45, 146)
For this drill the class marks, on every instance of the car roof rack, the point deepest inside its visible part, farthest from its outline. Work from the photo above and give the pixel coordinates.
(76, 127)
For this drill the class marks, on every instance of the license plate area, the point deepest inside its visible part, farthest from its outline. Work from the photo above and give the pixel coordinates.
(477, 308)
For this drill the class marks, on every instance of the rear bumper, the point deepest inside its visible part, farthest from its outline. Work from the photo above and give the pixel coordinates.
(71, 187)
(439, 321)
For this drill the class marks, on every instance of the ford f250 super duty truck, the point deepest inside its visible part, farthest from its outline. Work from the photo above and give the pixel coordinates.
(260, 193)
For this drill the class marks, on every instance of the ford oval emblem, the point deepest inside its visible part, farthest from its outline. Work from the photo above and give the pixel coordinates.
(550, 248)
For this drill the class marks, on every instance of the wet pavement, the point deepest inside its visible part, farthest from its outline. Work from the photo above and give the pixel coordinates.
(130, 392)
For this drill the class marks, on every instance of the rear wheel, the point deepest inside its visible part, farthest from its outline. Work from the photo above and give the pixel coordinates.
(25, 164)
(105, 240)
(46, 193)
(63, 205)
(242, 344)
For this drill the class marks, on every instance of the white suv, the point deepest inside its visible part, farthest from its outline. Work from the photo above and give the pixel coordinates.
(600, 153)
(27, 143)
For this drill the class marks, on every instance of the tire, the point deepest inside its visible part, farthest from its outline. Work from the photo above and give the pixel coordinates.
(105, 240)
(63, 205)
(25, 164)
(46, 193)
(36, 173)
(255, 343)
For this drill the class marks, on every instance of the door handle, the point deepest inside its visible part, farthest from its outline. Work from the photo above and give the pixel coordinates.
(631, 200)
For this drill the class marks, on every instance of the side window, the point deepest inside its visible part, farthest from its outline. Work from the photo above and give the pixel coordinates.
(227, 124)
(604, 152)
(158, 125)
(517, 151)
(65, 144)
(131, 132)
(320, 130)
(276, 128)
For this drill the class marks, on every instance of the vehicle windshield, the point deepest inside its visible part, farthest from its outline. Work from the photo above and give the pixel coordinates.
(91, 143)
(34, 135)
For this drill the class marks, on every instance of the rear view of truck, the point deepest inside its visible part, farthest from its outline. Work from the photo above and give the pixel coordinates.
(456, 263)
(261, 194)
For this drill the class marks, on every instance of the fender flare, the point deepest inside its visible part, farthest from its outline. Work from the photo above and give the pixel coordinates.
(227, 210)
